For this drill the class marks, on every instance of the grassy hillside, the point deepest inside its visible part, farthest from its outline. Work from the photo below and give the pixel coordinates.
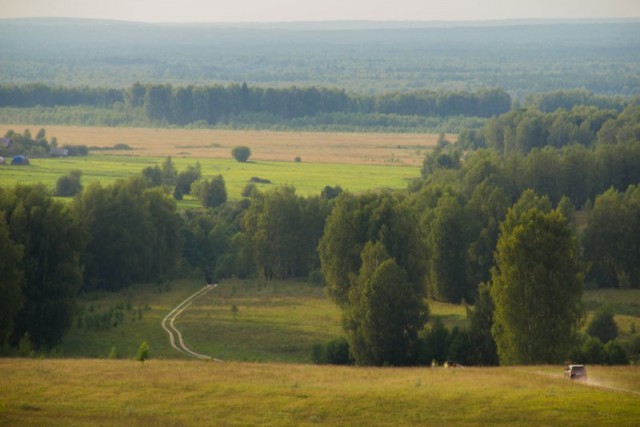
(277, 321)
(158, 393)
(274, 321)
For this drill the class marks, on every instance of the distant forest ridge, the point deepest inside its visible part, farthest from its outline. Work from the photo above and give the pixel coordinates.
(522, 57)
(187, 104)
(303, 108)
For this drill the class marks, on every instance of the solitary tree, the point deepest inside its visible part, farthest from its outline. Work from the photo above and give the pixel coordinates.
(603, 326)
(536, 288)
(69, 185)
(241, 153)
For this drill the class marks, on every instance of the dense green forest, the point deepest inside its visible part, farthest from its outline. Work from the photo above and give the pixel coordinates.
(538, 197)
(311, 108)
(323, 76)
(219, 105)
(520, 57)
(561, 188)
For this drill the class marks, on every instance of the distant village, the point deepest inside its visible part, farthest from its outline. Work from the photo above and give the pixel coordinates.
(17, 149)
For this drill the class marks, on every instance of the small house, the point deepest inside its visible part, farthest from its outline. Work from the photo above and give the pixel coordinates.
(6, 142)
(58, 152)
(20, 160)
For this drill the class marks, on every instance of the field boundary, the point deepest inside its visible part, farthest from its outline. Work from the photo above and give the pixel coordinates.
(173, 331)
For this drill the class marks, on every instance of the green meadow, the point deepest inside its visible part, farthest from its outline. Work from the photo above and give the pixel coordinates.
(273, 321)
(196, 393)
(277, 321)
(307, 178)
(266, 378)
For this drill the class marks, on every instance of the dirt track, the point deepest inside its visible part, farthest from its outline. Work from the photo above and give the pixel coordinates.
(173, 332)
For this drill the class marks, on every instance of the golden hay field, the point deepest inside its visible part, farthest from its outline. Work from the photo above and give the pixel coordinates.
(315, 147)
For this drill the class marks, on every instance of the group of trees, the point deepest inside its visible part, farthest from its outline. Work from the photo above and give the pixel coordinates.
(611, 238)
(41, 264)
(371, 257)
(611, 158)
(493, 228)
(24, 143)
(523, 130)
(133, 234)
(182, 105)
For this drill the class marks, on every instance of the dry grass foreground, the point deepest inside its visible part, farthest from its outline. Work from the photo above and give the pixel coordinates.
(158, 393)
(317, 147)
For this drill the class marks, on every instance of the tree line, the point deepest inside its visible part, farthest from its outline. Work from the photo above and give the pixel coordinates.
(15, 143)
(182, 105)
(476, 224)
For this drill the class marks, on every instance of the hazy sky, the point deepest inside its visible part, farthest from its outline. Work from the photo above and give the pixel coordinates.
(319, 10)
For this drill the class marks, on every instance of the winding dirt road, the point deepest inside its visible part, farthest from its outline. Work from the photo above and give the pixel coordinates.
(169, 326)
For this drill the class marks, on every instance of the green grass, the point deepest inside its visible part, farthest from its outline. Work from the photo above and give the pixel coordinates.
(308, 178)
(127, 335)
(279, 321)
(169, 393)
(625, 303)
(275, 321)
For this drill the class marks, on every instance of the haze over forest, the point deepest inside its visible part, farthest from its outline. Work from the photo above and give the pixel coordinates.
(519, 57)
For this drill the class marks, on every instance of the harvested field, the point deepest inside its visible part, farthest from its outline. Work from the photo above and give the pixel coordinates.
(317, 147)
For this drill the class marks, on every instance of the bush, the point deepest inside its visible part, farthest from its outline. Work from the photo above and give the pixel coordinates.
(615, 353)
(248, 190)
(592, 351)
(334, 352)
(603, 326)
(259, 180)
(211, 193)
(25, 346)
(69, 185)
(338, 352)
(329, 192)
(143, 352)
(113, 353)
(241, 153)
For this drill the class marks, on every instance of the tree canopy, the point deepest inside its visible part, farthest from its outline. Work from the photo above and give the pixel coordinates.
(385, 312)
(536, 287)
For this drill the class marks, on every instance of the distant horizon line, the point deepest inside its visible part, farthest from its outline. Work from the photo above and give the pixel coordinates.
(364, 22)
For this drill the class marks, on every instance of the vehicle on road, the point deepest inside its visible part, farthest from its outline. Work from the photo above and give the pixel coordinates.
(575, 372)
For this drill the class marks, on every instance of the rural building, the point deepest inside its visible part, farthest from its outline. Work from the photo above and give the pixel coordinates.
(6, 142)
(58, 152)
(20, 160)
